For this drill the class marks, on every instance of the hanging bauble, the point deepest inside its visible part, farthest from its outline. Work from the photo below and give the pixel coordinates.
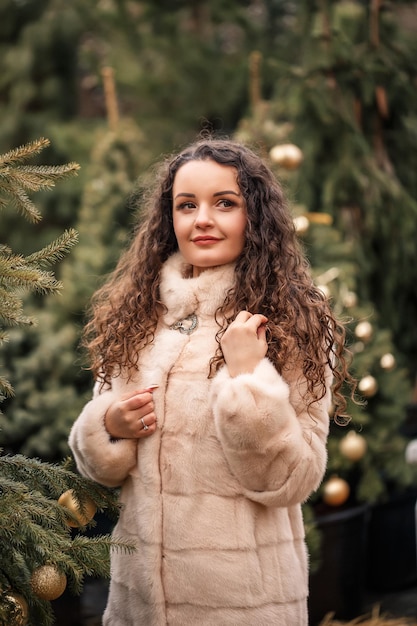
(48, 582)
(368, 386)
(387, 361)
(301, 224)
(68, 500)
(353, 446)
(286, 155)
(350, 299)
(358, 347)
(17, 608)
(335, 491)
(324, 290)
(364, 331)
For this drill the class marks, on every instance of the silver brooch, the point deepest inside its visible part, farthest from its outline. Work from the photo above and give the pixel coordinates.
(187, 325)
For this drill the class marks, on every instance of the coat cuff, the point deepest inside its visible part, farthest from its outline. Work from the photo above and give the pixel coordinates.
(97, 455)
(251, 395)
(250, 409)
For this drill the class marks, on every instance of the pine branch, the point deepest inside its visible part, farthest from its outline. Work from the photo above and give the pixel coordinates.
(16, 180)
(55, 479)
(55, 251)
(11, 310)
(34, 530)
(6, 389)
(22, 153)
(15, 272)
(35, 522)
(18, 198)
(37, 177)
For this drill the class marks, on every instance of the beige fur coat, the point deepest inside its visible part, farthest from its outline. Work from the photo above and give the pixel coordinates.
(212, 499)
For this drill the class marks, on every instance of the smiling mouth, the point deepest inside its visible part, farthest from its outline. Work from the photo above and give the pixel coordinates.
(205, 240)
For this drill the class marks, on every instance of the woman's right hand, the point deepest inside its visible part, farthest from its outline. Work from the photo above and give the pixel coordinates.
(132, 416)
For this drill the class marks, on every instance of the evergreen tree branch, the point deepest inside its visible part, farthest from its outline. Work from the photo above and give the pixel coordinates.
(6, 390)
(18, 198)
(35, 525)
(56, 250)
(22, 153)
(15, 180)
(37, 177)
(34, 530)
(11, 311)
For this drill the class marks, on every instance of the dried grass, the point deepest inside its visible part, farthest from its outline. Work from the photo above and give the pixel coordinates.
(373, 619)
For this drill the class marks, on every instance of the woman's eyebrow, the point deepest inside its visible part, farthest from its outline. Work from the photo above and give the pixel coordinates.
(221, 193)
(186, 195)
(218, 193)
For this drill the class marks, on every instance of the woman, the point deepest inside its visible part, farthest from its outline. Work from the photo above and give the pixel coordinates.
(214, 356)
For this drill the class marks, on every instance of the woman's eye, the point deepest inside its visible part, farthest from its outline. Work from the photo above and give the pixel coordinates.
(225, 204)
(187, 205)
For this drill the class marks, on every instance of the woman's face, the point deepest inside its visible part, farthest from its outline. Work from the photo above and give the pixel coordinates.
(209, 214)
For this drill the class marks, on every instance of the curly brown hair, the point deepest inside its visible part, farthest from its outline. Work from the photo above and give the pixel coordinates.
(272, 277)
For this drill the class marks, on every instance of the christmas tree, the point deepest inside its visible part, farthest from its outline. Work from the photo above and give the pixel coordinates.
(349, 95)
(366, 462)
(340, 127)
(41, 504)
(44, 361)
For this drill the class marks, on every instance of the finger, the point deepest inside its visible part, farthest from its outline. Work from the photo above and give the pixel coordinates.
(146, 427)
(259, 318)
(139, 400)
(256, 321)
(243, 316)
(132, 394)
(149, 389)
(262, 332)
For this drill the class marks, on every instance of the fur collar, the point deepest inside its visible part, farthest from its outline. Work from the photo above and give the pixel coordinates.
(183, 296)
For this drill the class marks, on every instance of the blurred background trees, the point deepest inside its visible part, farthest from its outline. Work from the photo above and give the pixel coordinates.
(325, 90)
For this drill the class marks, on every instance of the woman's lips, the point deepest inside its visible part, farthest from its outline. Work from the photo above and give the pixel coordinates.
(205, 241)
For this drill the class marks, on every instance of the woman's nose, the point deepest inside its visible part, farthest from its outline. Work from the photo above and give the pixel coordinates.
(203, 216)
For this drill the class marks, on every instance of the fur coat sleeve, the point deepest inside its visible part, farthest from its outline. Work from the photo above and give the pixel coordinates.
(274, 444)
(99, 457)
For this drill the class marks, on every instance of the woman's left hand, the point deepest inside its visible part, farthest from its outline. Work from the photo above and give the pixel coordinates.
(244, 343)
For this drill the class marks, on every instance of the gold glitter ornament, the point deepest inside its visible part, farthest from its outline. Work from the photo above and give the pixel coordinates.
(350, 299)
(368, 386)
(287, 155)
(68, 500)
(324, 290)
(364, 331)
(301, 224)
(387, 361)
(17, 608)
(48, 582)
(335, 491)
(353, 446)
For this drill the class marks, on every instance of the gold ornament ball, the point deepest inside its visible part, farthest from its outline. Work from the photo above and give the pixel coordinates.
(287, 155)
(335, 491)
(68, 500)
(353, 446)
(19, 610)
(324, 290)
(48, 582)
(364, 331)
(350, 299)
(301, 224)
(368, 386)
(387, 361)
